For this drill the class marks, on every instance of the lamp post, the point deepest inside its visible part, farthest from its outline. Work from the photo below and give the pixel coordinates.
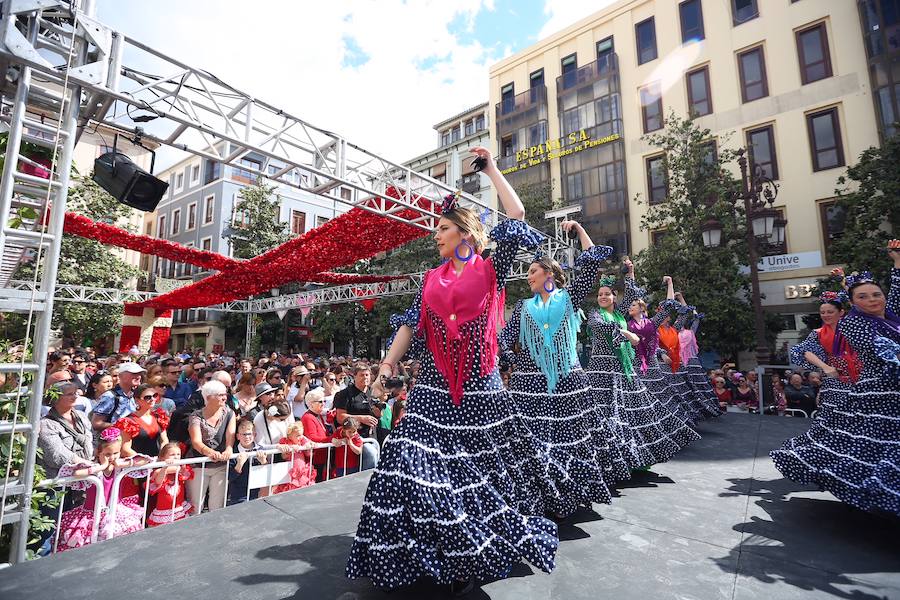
(763, 226)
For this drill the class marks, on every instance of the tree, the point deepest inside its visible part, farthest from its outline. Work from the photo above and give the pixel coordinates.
(698, 186)
(87, 262)
(869, 203)
(257, 230)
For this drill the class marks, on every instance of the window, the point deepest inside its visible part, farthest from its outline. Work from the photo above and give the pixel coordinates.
(206, 244)
(445, 138)
(209, 207)
(507, 146)
(691, 14)
(213, 171)
(321, 221)
(191, 216)
(161, 227)
(656, 237)
(346, 194)
(645, 34)
(479, 123)
(651, 107)
(195, 174)
(656, 180)
(605, 55)
(825, 139)
(454, 134)
(812, 49)
(298, 222)
(439, 172)
(470, 127)
(743, 11)
(699, 92)
(507, 98)
(176, 221)
(761, 142)
(834, 219)
(709, 171)
(569, 67)
(536, 79)
(179, 182)
(239, 217)
(245, 175)
(752, 67)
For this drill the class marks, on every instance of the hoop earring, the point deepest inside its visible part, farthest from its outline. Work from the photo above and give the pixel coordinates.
(468, 256)
(552, 285)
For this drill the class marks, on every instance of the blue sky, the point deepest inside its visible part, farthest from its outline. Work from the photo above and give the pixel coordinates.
(379, 72)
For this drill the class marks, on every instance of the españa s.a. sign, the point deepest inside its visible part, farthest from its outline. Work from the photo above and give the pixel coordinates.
(576, 141)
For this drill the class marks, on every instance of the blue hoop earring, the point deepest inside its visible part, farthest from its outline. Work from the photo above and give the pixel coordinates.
(469, 256)
(552, 285)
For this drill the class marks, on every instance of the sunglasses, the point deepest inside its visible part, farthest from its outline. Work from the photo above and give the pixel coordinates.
(332, 379)
(150, 396)
(78, 362)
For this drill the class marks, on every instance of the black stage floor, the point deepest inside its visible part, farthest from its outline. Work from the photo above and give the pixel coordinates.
(716, 522)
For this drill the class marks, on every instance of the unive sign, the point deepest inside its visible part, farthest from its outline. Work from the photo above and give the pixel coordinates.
(557, 148)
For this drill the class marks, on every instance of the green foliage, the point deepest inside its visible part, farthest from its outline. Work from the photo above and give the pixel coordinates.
(870, 198)
(265, 230)
(698, 185)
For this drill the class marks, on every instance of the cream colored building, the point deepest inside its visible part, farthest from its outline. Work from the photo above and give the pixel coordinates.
(793, 75)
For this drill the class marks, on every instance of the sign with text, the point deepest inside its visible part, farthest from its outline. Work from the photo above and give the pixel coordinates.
(789, 262)
(557, 148)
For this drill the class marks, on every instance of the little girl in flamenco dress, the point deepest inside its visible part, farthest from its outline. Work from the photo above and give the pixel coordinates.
(167, 487)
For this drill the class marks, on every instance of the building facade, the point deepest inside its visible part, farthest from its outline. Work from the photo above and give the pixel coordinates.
(788, 79)
(198, 210)
(451, 162)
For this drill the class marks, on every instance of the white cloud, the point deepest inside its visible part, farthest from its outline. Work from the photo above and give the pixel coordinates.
(403, 71)
(562, 14)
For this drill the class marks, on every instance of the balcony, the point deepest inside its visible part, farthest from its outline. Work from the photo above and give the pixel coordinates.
(595, 71)
(522, 102)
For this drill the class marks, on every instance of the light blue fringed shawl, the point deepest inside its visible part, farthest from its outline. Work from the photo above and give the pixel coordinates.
(550, 333)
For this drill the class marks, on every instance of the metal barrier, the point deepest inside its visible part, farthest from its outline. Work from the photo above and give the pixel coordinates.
(261, 476)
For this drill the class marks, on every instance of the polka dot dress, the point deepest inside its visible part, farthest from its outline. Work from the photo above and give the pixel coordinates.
(704, 404)
(648, 431)
(585, 457)
(853, 451)
(451, 495)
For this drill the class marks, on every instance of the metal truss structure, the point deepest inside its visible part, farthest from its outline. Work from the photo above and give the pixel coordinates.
(66, 72)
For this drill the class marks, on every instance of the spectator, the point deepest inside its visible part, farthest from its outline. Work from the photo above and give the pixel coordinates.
(211, 431)
(270, 425)
(177, 391)
(799, 395)
(354, 401)
(814, 379)
(744, 395)
(245, 452)
(100, 383)
(159, 386)
(297, 449)
(58, 361)
(317, 430)
(144, 430)
(723, 393)
(297, 390)
(349, 447)
(275, 378)
(778, 395)
(119, 401)
(753, 381)
(260, 376)
(65, 434)
(399, 411)
(246, 395)
(330, 387)
(79, 375)
(166, 485)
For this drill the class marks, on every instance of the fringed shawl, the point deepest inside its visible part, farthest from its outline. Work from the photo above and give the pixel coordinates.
(460, 318)
(550, 333)
(646, 330)
(668, 340)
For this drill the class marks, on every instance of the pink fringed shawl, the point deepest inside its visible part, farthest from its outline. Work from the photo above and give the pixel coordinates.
(461, 316)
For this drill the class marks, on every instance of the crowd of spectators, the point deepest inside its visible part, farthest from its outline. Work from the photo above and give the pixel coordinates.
(789, 391)
(225, 407)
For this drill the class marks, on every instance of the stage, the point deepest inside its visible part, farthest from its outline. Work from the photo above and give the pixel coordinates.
(717, 522)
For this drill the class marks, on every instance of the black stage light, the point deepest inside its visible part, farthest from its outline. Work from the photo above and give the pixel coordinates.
(127, 182)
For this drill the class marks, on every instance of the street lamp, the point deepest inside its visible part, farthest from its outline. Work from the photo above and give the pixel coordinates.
(764, 227)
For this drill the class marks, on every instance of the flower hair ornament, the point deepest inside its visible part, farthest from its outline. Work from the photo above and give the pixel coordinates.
(856, 278)
(110, 434)
(839, 297)
(607, 281)
(451, 201)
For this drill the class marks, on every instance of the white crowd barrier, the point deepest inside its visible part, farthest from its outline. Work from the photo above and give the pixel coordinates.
(262, 476)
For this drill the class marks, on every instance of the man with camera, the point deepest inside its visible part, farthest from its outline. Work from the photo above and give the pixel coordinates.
(355, 401)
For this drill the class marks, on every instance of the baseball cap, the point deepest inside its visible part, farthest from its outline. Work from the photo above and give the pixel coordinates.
(131, 367)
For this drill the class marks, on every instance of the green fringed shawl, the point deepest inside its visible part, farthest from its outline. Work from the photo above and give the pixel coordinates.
(624, 351)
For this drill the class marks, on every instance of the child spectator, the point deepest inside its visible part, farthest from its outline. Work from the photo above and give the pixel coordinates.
(76, 524)
(246, 450)
(297, 449)
(347, 437)
(167, 485)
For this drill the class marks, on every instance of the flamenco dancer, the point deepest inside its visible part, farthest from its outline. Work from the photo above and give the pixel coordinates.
(704, 402)
(855, 452)
(456, 475)
(551, 391)
(671, 391)
(648, 431)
